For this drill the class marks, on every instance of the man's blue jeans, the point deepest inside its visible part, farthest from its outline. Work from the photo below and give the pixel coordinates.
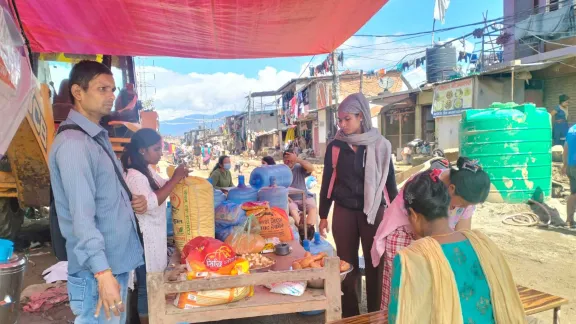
(83, 296)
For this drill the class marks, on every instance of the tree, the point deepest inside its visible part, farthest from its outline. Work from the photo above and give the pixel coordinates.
(148, 104)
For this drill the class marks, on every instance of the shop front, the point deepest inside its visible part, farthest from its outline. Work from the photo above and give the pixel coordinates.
(266, 141)
(306, 138)
(398, 117)
(450, 100)
(399, 126)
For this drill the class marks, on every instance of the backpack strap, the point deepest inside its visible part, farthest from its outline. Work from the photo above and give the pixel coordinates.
(335, 154)
(113, 159)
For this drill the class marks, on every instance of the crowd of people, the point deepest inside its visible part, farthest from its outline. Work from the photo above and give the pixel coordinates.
(423, 262)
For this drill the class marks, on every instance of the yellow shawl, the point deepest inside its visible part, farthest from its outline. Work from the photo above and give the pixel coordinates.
(432, 296)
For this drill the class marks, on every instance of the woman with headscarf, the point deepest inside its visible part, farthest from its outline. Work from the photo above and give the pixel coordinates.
(359, 177)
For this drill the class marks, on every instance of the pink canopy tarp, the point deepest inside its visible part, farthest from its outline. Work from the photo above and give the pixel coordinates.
(216, 29)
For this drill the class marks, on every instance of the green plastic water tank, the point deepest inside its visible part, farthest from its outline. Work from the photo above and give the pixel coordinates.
(513, 143)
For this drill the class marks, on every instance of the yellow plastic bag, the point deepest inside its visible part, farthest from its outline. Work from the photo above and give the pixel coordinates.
(215, 297)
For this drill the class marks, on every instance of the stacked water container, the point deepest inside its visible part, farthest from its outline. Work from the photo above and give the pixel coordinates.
(260, 177)
(242, 193)
(275, 195)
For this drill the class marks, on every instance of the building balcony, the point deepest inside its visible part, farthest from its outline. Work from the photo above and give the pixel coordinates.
(552, 29)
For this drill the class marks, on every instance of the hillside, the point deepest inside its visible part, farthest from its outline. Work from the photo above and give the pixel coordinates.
(179, 126)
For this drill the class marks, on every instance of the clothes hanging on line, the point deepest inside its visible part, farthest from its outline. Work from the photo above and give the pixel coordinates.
(474, 58)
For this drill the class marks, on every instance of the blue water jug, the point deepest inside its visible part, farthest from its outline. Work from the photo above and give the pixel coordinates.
(169, 224)
(219, 196)
(6, 250)
(276, 196)
(260, 177)
(242, 193)
(321, 245)
(295, 232)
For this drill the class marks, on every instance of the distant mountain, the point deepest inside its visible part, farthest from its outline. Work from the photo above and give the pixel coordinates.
(178, 126)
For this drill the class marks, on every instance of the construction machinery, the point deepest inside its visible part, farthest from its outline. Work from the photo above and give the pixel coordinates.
(24, 174)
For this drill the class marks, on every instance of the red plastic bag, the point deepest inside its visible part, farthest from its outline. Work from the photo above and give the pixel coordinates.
(208, 254)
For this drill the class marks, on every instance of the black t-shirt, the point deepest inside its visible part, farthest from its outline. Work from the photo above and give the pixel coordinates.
(348, 189)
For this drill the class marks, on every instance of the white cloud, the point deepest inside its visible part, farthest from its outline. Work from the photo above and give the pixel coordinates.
(179, 95)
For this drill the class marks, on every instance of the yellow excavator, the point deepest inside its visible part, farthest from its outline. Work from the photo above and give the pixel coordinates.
(24, 174)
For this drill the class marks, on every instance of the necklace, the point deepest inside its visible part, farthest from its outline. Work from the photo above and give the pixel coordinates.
(443, 235)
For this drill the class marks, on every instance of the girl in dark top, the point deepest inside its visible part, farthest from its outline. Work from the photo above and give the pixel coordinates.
(268, 160)
(361, 184)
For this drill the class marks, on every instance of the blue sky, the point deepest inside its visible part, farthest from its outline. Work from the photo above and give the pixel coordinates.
(396, 17)
(186, 86)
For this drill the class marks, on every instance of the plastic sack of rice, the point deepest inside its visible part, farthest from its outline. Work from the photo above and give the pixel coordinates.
(192, 203)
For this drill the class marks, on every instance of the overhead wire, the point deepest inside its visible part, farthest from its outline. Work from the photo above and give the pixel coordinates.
(423, 33)
(306, 68)
(492, 22)
(403, 37)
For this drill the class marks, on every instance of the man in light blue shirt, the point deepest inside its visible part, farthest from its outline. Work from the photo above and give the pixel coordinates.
(569, 168)
(95, 213)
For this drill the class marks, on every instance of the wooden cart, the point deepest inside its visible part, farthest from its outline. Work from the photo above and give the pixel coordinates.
(263, 302)
(533, 301)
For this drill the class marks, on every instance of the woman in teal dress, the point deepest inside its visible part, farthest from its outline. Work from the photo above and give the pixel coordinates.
(446, 271)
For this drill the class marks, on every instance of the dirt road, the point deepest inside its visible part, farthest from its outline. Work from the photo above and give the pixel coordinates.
(540, 258)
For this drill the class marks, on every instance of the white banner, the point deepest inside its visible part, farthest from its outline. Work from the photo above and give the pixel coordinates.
(17, 83)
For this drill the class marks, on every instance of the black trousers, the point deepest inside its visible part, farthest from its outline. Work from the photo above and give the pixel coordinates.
(350, 228)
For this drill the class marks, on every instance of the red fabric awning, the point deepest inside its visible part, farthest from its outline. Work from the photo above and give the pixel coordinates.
(218, 29)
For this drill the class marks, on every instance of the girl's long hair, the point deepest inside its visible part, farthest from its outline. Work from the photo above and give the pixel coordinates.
(133, 159)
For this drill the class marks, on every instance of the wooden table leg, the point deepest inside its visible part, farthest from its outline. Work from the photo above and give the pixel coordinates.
(556, 319)
(304, 215)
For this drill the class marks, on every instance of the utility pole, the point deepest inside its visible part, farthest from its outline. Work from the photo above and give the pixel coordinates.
(433, 29)
(278, 122)
(204, 127)
(361, 79)
(249, 117)
(335, 88)
(335, 79)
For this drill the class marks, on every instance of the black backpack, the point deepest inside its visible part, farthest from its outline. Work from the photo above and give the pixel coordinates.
(58, 241)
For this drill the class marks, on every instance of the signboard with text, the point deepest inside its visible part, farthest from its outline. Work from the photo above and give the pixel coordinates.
(452, 98)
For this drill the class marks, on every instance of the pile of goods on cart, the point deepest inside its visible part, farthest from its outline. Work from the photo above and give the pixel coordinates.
(239, 231)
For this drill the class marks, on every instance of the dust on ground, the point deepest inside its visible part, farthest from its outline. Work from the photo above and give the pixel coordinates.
(540, 258)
